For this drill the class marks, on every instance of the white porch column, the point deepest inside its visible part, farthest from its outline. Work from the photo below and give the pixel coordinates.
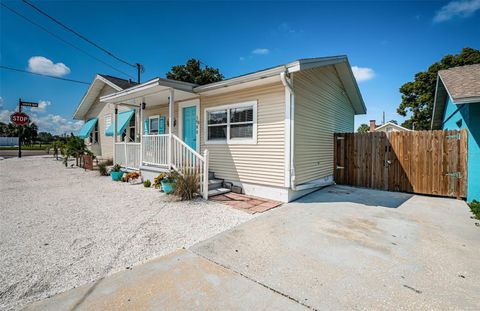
(115, 118)
(142, 122)
(171, 119)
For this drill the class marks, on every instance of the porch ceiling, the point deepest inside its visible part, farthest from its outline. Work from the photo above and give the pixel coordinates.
(154, 92)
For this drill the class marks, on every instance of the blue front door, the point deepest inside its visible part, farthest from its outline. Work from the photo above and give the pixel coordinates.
(190, 126)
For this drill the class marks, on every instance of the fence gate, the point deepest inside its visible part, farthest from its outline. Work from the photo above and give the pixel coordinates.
(424, 162)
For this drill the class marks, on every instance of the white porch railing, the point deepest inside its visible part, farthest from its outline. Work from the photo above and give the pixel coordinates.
(181, 157)
(186, 160)
(155, 149)
(128, 155)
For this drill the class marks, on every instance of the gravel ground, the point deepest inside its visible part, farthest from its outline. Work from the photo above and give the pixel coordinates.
(63, 227)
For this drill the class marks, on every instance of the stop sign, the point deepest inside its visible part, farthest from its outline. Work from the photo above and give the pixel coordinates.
(19, 118)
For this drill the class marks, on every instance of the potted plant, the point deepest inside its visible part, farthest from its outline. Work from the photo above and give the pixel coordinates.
(168, 182)
(116, 172)
(157, 182)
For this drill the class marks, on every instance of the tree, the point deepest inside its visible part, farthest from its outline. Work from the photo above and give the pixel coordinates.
(418, 95)
(193, 72)
(363, 128)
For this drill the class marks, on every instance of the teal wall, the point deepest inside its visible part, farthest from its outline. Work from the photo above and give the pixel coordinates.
(467, 116)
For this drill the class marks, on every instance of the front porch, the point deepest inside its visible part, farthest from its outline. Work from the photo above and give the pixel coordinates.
(161, 132)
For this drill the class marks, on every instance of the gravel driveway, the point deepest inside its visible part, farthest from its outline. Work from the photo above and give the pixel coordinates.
(63, 227)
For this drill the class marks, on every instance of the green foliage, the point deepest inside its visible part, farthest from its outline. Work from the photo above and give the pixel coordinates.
(116, 168)
(193, 72)
(363, 128)
(28, 131)
(157, 182)
(418, 95)
(475, 208)
(147, 183)
(102, 168)
(186, 185)
(75, 147)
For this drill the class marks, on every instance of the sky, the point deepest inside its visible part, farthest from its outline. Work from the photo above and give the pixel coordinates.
(387, 42)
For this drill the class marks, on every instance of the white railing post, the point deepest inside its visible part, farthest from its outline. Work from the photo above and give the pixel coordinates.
(171, 121)
(142, 122)
(115, 135)
(205, 174)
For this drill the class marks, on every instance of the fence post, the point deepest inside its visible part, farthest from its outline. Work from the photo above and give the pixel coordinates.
(205, 174)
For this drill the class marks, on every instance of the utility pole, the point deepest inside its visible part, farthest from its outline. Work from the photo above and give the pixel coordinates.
(140, 69)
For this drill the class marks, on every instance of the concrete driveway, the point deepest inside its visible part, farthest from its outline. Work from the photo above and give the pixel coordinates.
(338, 248)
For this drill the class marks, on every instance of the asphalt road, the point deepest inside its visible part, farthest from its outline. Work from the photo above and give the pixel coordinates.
(5, 154)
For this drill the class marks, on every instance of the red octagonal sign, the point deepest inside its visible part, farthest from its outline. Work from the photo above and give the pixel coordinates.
(19, 118)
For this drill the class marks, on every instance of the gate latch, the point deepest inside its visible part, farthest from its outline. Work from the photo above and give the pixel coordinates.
(453, 174)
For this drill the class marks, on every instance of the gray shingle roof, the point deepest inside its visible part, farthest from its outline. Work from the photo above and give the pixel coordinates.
(462, 83)
(124, 84)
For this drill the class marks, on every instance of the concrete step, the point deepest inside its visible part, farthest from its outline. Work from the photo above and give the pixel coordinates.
(218, 191)
(215, 183)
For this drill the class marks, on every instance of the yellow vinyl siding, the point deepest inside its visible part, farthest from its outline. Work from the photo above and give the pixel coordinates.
(99, 110)
(260, 163)
(321, 109)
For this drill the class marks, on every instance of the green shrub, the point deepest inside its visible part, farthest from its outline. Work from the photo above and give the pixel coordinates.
(116, 168)
(475, 207)
(147, 183)
(186, 185)
(157, 181)
(102, 168)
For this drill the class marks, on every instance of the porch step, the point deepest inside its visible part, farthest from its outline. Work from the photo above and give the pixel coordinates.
(218, 191)
(215, 184)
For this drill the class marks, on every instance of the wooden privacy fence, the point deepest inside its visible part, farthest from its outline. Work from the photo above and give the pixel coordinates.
(425, 162)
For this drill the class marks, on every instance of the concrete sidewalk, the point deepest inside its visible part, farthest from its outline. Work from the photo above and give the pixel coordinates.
(179, 281)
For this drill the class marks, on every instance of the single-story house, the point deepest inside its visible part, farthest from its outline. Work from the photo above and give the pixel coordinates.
(268, 132)
(457, 106)
(387, 127)
(98, 116)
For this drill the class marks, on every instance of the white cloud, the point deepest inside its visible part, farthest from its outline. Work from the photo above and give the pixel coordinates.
(56, 124)
(363, 73)
(242, 58)
(5, 115)
(455, 9)
(261, 51)
(286, 27)
(43, 65)
(42, 106)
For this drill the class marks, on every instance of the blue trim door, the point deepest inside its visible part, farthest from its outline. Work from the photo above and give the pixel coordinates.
(190, 126)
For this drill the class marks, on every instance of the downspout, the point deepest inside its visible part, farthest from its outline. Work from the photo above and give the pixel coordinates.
(286, 84)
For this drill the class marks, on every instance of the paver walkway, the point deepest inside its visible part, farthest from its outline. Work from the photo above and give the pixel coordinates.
(249, 204)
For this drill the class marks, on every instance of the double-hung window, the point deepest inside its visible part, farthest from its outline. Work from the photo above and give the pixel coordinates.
(231, 124)
(153, 125)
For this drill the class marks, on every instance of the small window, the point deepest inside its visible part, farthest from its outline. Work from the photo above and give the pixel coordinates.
(153, 125)
(231, 124)
(93, 138)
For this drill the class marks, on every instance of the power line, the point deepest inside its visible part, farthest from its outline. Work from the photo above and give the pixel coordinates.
(43, 75)
(78, 34)
(65, 41)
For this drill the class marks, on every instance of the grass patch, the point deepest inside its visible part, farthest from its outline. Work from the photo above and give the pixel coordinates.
(30, 147)
(475, 207)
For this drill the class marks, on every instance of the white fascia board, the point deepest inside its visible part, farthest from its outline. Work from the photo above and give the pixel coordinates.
(135, 89)
(76, 115)
(469, 100)
(394, 125)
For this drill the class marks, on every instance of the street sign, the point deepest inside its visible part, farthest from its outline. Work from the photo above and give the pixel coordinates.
(29, 104)
(19, 118)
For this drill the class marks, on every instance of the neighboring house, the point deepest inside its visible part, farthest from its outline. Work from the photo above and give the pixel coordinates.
(98, 116)
(457, 106)
(387, 127)
(269, 132)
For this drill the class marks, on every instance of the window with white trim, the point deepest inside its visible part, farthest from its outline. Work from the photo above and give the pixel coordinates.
(231, 124)
(153, 125)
